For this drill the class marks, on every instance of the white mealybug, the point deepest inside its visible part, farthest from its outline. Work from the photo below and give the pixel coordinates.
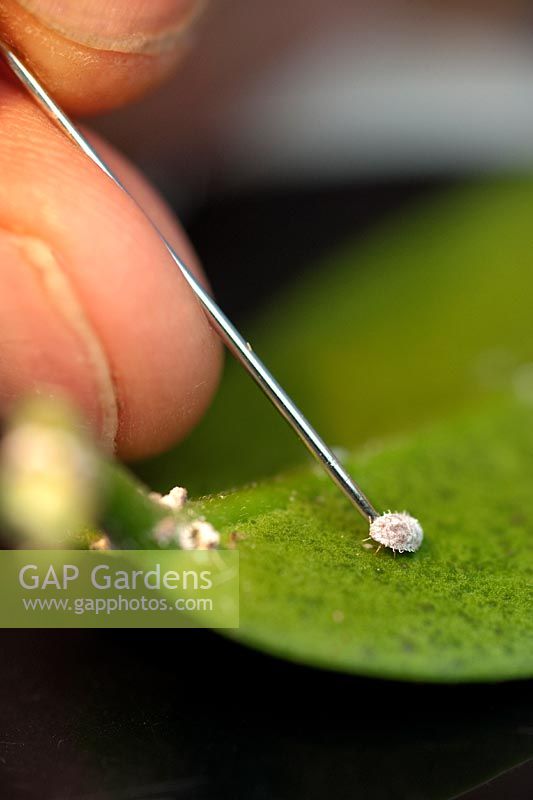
(399, 531)
(198, 535)
(175, 499)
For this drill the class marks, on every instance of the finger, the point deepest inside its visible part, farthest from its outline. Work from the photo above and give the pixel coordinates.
(91, 303)
(96, 54)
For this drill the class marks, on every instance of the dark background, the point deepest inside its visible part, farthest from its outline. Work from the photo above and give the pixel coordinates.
(152, 715)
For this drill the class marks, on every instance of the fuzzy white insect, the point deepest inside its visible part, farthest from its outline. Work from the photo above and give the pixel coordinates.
(175, 499)
(399, 531)
(198, 535)
(103, 543)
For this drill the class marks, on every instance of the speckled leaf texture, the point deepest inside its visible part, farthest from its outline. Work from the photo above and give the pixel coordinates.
(413, 351)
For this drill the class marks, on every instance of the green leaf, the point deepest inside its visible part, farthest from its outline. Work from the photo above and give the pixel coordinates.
(429, 319)
(459, 609)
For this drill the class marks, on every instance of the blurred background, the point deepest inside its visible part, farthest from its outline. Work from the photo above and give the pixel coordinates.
(291, 126)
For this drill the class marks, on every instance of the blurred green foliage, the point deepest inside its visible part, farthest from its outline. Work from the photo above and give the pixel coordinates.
(428, 316)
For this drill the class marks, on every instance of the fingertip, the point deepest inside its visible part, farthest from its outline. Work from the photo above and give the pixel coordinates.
(93, 61)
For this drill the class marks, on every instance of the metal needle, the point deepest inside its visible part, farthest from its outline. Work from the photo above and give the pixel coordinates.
(240, 348)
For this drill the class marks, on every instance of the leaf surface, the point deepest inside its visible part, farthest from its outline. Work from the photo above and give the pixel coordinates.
(414, 351)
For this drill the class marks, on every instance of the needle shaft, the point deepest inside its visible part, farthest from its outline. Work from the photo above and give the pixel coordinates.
(238, 346)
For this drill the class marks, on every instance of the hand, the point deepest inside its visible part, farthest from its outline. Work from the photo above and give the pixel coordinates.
(90, 303)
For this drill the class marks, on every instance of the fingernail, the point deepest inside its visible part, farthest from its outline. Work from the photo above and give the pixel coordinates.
(119, 25)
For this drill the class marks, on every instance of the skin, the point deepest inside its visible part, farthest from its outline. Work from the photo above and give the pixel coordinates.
(91, 305)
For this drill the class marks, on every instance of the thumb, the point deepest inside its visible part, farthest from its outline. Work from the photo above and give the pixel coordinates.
(96, 54)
